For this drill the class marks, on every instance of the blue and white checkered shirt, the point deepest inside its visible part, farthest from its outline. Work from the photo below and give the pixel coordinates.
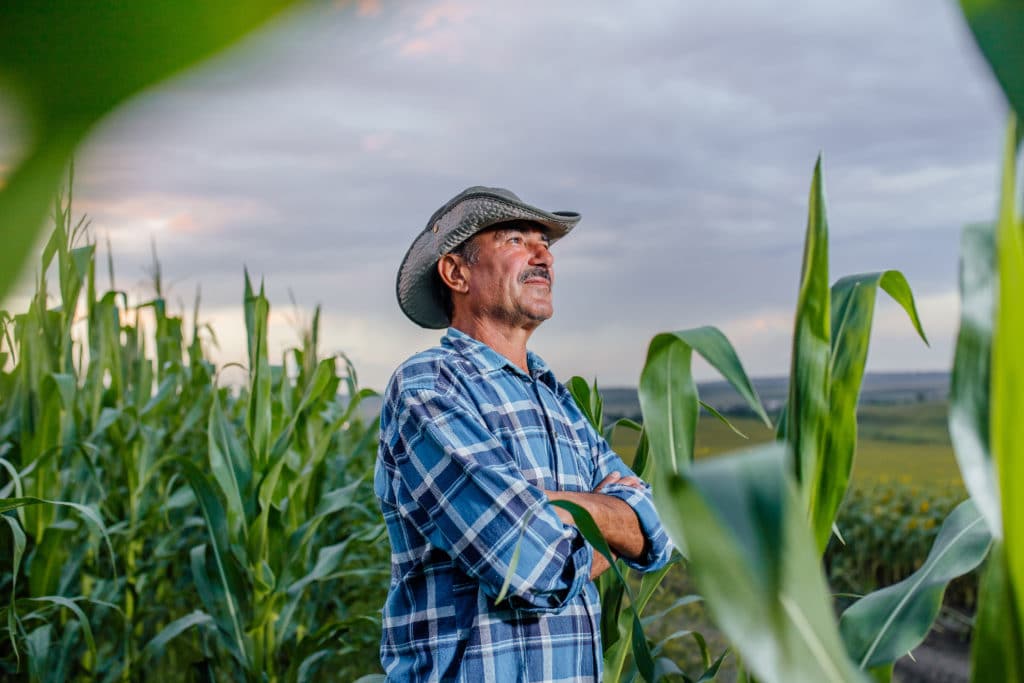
(468, 442)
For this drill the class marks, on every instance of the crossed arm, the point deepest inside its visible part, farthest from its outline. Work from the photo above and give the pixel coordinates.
(615, 518)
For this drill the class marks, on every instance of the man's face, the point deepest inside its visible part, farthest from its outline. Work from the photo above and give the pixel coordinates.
(512, 277)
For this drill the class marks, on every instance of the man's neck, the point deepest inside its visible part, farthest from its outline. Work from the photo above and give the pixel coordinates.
(508, 340)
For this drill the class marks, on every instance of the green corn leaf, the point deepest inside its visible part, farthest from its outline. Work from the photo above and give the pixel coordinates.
(156, 646)
(711, 673)
(327, 560)
(972, 372)
(37, 646)
(668, 393)
(722, 418)
(329, 503)
(581, 393)
(753, 559)
(853, 306)
(882, 674)
(998, 28)
(88, 513)
(883, 626)
(230, 467)
(674, 605)
(592, 533)
(996, 652)
(83, 622)
(216, 522)
(807, 409)
(17, 551)
(1007, 392)
(668, 399)
(66, 83)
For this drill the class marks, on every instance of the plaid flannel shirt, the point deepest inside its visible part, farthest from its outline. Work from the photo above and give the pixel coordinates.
(468, 442)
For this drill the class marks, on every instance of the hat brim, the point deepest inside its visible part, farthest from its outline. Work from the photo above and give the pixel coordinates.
(418, 285)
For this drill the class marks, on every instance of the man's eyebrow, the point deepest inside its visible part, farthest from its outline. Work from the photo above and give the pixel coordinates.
(502, 233)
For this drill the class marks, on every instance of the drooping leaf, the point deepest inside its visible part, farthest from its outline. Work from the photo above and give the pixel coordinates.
(668, 393)
(883, 626)
(156, 645)
(852, 305)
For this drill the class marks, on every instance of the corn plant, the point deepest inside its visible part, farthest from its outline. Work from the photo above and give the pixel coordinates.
(625, 654)
(738, 519)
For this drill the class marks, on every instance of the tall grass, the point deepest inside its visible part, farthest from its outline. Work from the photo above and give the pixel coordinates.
(161, 523)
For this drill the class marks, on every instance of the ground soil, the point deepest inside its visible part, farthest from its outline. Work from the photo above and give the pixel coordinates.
(944, 657)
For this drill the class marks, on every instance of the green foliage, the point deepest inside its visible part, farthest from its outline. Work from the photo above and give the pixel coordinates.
(159, 526)
(879, 628)
(69, 64)
(627, 652)
(830, 348)
(670, 404)
(888, 529)
(759, 574)
(742, 531)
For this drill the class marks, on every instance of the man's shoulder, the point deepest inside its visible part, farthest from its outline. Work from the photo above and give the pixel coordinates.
(425, 370)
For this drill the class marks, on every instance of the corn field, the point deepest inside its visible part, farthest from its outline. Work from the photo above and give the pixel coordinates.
(161, 521)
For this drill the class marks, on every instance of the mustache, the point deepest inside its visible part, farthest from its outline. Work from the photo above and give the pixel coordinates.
(539, 271)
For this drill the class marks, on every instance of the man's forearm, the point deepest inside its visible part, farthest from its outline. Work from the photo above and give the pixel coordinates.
(615, 518)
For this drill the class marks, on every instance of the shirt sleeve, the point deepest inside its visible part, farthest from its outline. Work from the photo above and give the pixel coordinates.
(657, 546)
(465, 493)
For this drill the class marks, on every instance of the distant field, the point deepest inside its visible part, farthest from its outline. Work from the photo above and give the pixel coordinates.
(905, 442)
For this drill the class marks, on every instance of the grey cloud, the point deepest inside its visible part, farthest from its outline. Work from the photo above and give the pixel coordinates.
(685, 134)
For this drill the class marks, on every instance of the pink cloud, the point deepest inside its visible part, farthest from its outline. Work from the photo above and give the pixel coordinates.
(436, 30)
(375, 142)
(446, 11)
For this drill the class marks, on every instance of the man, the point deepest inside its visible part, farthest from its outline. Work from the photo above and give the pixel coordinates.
(477, 437)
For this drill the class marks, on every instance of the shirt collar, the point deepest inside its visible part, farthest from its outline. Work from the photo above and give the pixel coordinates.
(489, 360)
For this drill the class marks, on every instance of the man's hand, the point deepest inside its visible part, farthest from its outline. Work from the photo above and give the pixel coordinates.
(616, 478)
(613, 478)
(616, 520)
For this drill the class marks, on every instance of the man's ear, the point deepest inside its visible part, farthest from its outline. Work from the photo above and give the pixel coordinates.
(454, 272)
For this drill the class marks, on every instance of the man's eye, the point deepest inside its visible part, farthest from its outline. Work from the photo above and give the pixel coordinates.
(515, 240)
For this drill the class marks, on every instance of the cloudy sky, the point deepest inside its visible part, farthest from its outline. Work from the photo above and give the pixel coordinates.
(685, 134)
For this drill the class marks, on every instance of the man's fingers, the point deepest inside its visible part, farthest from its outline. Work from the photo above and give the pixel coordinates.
(613, 477)
(616, 478)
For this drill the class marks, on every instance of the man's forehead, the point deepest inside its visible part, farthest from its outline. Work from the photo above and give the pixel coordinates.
(501, 229)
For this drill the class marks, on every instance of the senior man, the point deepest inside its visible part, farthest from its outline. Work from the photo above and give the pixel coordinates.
(477, 437)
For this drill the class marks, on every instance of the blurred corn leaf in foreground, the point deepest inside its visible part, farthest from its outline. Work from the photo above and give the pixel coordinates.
(756, 565)
(998, 28)
(993, 435)
(69, 63)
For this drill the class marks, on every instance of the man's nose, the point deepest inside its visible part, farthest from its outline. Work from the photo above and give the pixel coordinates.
(542, 256)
